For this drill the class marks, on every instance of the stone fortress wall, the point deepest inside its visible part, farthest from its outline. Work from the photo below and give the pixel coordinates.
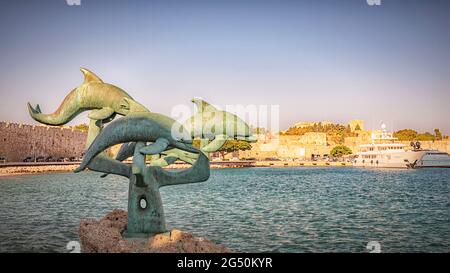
(18, 141)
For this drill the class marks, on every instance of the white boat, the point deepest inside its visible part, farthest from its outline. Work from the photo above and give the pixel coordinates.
(384, 152)
(433, 159)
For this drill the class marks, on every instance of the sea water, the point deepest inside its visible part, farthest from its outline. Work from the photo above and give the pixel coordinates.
(248, 210)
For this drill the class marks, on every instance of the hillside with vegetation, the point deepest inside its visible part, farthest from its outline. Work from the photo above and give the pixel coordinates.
(336, 133)
(412, 135)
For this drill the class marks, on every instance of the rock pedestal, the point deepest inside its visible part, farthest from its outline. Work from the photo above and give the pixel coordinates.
(105, 235)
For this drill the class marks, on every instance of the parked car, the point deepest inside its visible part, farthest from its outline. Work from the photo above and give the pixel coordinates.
(29, 159)
(3, 159)
(60, 159)
(72, 158)
(51, 159)
(40, 159)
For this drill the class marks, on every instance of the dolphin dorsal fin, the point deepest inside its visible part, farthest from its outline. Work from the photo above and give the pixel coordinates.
(89, 76)
(203, 106)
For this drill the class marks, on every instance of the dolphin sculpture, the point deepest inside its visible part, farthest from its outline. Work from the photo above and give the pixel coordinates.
(216, 125)
(104, 99)
(145, 127)
(210, 123)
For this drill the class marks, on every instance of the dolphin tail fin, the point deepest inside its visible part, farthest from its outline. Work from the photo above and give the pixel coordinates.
(32, 110)
(83, 165)
(155, 148)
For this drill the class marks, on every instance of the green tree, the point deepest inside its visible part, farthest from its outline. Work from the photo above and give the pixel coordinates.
(235, 145)
(406, 135)
(438, 134)
(336, 133)
(340, 150)
(425, 137)
(83, 127)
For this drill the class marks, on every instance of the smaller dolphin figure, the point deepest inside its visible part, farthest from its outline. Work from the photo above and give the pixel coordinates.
(216, 125)
(208, 123)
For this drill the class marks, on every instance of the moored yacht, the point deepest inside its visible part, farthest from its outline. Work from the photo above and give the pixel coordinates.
(432, 159)
(384, 152)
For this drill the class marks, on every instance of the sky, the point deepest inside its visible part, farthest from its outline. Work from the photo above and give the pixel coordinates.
(317, 59)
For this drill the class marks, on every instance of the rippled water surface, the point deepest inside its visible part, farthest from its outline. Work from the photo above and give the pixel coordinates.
(249, 210)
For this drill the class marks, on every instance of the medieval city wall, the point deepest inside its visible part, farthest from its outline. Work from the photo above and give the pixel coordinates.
(18, 141)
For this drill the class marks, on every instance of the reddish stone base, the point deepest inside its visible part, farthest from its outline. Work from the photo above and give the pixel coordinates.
(105, 235)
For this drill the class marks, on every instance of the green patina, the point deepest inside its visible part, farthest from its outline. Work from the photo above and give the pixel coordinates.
(212, 126)
(143, 133)
(216, 125)
(104, 99)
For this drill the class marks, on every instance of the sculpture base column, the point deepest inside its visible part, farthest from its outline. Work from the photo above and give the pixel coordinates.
(105, 236)
(145, 210)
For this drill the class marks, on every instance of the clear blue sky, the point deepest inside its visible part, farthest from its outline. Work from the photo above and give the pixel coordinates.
(318, 59)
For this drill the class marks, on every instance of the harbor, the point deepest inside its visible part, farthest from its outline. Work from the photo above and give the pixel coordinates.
(13, 168)
(232, 130)
(308, 209)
